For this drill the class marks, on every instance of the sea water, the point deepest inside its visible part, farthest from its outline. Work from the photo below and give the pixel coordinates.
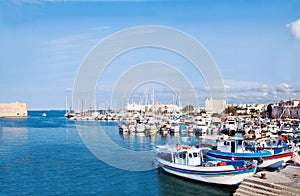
(44, 155)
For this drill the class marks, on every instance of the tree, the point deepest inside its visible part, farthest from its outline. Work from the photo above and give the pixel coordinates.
(231, 110)
(203, 111)
(216, 115)
(188, 108)
(253, 111)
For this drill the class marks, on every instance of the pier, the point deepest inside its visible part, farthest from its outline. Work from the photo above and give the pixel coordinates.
(277, 183)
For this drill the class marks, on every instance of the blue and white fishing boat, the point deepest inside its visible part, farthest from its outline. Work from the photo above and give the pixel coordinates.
(269, 152)
(188, 162)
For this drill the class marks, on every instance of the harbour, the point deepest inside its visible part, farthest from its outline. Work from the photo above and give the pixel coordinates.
(48, 149)
(151, 97)
(46, 156)
(267, 144)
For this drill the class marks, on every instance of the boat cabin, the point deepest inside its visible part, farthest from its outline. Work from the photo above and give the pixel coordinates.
(229, 145)
(239, 145)
(190, 157)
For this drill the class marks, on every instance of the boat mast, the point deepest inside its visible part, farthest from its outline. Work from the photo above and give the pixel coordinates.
(153, 97)
(66, 104)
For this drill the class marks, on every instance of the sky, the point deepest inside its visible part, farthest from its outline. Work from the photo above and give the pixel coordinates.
(255, 44)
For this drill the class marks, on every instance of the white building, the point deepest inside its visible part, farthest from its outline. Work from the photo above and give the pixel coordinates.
(215, 105)
(135, 107)
(156, 108)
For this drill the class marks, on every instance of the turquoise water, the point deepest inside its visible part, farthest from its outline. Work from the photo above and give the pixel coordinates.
(46, 156)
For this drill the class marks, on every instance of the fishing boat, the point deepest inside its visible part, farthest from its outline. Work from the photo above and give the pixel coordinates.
(188, 162)
(269, 152)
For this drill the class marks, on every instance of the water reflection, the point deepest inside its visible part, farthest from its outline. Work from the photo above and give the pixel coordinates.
(1, 134)
(15, 135)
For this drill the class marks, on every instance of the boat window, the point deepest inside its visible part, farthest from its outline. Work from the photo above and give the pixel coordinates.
(195, 154)
(184, 156)
(180, 155)
(190, 155)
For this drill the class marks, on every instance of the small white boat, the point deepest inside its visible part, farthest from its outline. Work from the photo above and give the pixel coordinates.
(188, 162)
(44, 114)
(174, 128)
(200, 127)
(273, 129)
(140, 128)
(151, 128)
(132, 126)
(286, 128)
(123, 128)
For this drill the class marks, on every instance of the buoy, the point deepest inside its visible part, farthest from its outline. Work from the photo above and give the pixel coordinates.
(263, 175)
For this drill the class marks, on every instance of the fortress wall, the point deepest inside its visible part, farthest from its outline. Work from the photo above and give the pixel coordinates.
(13, 110)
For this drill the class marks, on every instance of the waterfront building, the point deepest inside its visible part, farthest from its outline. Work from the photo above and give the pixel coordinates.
(215, 105)
(156, 108)
(287, 109)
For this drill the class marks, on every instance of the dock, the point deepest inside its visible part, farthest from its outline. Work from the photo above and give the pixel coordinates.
(277, 183)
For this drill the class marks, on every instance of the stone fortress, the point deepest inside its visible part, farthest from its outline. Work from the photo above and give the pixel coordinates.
(13, 110)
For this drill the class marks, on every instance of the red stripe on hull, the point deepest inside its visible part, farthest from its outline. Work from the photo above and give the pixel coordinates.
(287, 154)
(278, 156)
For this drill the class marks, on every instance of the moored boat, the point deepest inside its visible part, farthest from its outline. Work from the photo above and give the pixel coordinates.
(269, 152)
(188, 162)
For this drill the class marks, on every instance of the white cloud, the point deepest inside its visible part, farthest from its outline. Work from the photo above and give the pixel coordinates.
(294, 27)
(255, 92)
(286, 88)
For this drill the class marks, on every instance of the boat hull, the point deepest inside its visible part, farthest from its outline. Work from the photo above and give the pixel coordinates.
(265, 161)
(226, 175)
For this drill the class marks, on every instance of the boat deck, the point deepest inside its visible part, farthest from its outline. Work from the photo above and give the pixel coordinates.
(165, 156)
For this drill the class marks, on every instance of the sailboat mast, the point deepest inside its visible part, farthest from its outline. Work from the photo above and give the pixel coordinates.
(66, 104)
(153, 97)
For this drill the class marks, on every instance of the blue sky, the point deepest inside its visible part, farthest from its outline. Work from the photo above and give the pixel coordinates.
(256, 45)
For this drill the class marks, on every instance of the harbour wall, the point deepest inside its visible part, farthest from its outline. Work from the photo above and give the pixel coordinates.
(283, 183)
(13, 110)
